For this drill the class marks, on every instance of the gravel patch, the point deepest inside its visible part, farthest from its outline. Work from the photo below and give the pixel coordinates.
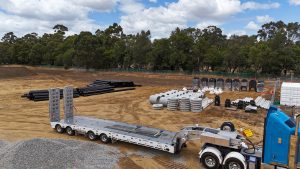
(2, 144)
(55, 153)
(152, 153)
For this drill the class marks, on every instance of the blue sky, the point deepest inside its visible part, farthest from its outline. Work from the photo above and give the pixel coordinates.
(160, 17)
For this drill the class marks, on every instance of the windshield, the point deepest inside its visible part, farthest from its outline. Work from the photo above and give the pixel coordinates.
(291, 122)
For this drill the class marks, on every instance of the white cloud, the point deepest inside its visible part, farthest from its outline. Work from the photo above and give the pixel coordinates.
(130, 6)
(163, 19)
(203, 25)
(294, 2)
(236, 32)
(99, 5)
(25, 16)
(252, 26)
(255, 5)
(264, 19)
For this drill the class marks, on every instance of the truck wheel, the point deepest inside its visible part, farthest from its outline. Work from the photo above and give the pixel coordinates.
(92, 136)
(233, 163)
(69, 131)
(227, 126)
(59, 129)
(210, 161)
(104, 138)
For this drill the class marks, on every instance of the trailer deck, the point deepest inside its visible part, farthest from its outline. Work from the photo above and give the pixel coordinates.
(142, 132)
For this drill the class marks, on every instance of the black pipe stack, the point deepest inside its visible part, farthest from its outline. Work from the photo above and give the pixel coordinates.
(41, 95)
(95, 88)
(114, 83)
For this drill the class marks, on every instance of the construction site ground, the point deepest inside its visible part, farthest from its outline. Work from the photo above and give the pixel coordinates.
(21, 119)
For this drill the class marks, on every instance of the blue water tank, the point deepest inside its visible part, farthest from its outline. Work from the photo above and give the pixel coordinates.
(277, 131)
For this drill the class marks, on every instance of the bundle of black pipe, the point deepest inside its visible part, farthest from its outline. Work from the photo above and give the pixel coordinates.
(94, 90)
(115, 83)
(41, 95)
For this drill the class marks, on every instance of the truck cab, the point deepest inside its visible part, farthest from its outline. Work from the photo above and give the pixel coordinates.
(278, 129)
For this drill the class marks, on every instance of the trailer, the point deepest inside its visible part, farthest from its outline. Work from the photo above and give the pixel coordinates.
(107, 130)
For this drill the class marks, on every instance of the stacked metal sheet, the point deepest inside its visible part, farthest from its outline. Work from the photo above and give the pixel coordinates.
(263, 103)
(206, 102)
(184, 104)
(196, 105)
(172, 104)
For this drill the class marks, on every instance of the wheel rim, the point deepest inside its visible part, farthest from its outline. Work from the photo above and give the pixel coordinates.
(210, 161)
(69, 131)
(91, 136)
(226, 128)
(234, 165)
(103, 138)
(58, 128)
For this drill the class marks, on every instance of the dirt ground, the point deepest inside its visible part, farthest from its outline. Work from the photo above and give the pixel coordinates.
(23, 119)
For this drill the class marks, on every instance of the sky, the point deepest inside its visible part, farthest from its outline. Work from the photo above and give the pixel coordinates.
(238, 17)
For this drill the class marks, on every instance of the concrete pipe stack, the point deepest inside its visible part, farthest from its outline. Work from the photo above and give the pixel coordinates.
(184, 104)
(172, 104)
(196, 105)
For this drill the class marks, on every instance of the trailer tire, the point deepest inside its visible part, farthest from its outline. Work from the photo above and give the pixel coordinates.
(104, 138)
(59, 129)
(210, 161)
(233, 163)
(70, 131)
(91, 135)
(227, 126)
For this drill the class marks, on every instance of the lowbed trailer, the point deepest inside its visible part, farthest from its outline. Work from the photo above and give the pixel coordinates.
(109, 131)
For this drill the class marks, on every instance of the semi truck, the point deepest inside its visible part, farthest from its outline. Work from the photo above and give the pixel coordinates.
(222, 147)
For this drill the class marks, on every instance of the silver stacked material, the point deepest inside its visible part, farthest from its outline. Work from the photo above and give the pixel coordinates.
(157, 106)
(196, 105)
(184, 104)
(172, 104)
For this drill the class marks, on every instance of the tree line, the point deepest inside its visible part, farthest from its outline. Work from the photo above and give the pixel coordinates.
(275, 49)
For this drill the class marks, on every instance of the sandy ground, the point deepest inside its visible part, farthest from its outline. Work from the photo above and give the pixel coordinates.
(23, 119)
